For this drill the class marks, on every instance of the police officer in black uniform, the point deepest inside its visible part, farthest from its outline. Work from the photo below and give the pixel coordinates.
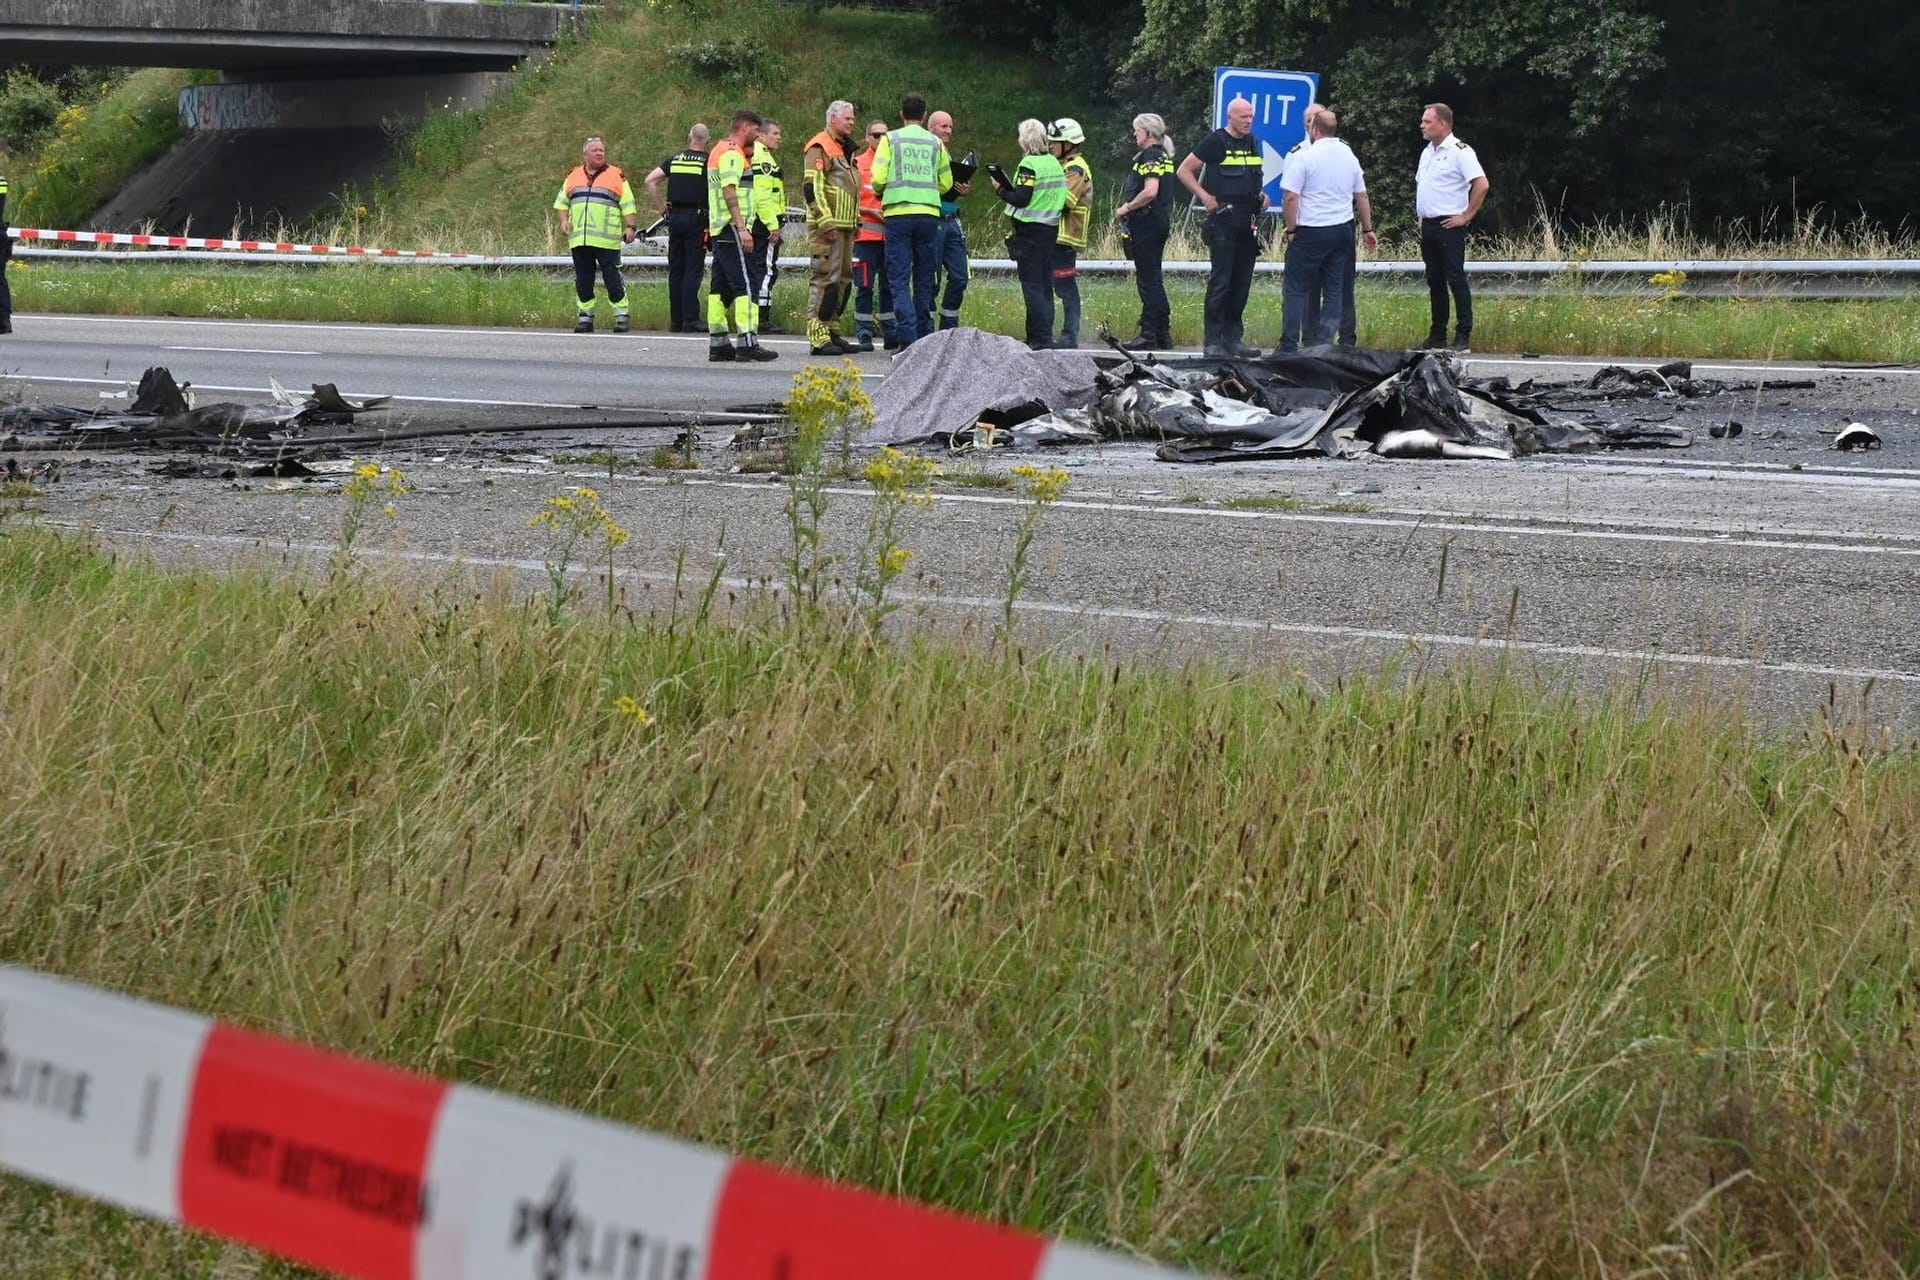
(684, 204)
(1224, 173)
(6, 256)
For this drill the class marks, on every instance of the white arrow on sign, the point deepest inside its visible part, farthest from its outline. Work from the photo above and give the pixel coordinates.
(1271, 163)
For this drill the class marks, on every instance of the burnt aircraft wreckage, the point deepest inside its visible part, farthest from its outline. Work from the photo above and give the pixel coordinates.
(1324, 402)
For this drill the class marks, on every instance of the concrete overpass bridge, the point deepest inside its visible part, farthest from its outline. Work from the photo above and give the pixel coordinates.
(281, 37)
(310, 97)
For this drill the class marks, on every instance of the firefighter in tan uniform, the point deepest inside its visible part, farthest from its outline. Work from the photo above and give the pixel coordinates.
(1066, 138)
(830, 183)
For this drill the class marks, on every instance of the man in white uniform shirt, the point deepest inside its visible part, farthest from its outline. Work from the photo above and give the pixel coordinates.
(1450, 188)
(1324, 189)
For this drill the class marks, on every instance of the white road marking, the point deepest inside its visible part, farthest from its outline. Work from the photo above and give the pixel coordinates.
(1440, 524)
(1641, 362)
(564, 337)
(1412, 639)
(246, 351)
(1773, 470)
(267, 391)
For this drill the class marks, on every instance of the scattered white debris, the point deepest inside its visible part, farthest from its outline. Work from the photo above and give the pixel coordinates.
(1856, 435)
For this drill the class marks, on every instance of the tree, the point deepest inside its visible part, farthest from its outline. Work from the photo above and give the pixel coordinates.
(1596, 109)
(1505, 66)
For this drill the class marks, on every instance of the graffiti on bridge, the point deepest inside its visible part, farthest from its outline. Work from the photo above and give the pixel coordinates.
(208, 107)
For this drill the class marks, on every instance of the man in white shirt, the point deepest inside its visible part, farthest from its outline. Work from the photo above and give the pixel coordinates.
(1324, 189)
(1450, 187)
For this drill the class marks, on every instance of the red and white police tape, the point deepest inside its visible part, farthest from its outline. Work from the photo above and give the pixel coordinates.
(248, 246)
(372, 1172)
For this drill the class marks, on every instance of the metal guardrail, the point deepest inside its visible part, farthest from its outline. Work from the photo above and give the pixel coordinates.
(1831, 278)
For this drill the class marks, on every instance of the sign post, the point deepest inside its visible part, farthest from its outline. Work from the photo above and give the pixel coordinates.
(1280, 100)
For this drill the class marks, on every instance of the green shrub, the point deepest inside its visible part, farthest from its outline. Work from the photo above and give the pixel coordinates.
(29, 106)
(98, 146)
(734, 58)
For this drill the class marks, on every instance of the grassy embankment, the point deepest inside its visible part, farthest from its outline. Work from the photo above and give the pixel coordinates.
(481, 181)
(96, 148)
(1451, 975)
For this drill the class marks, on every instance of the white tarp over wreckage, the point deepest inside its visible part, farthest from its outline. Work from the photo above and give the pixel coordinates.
(1322, 402)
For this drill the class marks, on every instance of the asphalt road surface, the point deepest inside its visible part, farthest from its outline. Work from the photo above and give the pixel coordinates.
(1766, 568)
(423, 366)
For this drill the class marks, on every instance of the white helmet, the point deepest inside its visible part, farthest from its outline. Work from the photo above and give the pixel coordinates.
(1066, 129)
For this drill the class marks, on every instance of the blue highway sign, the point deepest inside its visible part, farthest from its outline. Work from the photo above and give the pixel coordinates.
(1280, 100)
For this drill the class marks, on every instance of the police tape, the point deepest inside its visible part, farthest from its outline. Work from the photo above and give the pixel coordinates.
(372, 1172)
(142, 241)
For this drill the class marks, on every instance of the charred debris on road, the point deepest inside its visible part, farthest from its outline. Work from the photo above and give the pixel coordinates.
(298, 435)
(1325, 402)
(963, 388)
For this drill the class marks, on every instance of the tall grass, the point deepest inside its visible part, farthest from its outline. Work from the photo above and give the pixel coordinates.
(1450, 975)
(1664, 235)
(97, 147)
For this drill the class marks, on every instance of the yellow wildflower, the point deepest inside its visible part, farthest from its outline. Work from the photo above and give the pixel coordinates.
(1043, 485)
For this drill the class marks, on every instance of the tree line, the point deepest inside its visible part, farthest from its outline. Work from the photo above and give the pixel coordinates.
(1759, 113)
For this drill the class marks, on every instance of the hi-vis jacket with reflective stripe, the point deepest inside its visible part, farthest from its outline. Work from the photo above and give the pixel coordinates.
(727, 167)
(873, 219)
(831, 182)
(769, 187)
(1073, 224)
(599, 204)
(1049, 183)
(910, 170)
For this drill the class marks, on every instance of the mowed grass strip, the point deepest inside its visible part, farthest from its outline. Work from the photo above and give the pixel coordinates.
(1561, 321)
(1215, 966)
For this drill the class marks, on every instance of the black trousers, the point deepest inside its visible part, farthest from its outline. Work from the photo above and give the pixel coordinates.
(6, 290)
(589, 262)
(1349, 326)
(1149, 251)
(1031, 248)
(763, 266)
(1233, 249)
(686, 262)
(1444, 250)
(1315, 282)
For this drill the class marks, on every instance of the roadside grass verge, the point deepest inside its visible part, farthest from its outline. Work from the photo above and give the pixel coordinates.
(1667, 234)
(1563, 320)
(1448, 972)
